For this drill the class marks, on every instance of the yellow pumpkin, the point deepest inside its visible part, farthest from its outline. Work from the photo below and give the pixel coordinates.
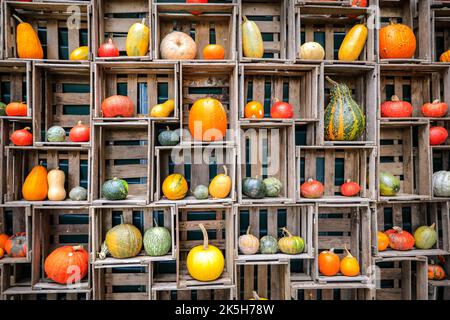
(137, 39)
(163, 110)
(220, 186)
(56, 180)
(28, 43)
(257, 297)
(445, 57)
(311, 51)
(205, 262)
(81, 53)
(175, 187)
(353, 43)
(252, 42)
(35, 187)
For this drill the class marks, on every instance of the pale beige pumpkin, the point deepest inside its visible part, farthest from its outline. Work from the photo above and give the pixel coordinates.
(220, 186)
(178, 46)
(56, 191)
(248, 243)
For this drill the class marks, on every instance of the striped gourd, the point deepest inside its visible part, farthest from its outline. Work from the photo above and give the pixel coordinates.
(344, 119)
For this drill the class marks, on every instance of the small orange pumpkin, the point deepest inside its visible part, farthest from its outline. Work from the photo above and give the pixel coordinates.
(397, 41)
(254, 109)
(445, 57)
(383, 241)
(329, 263)
(207, 120)
(213, 52)
(3, 238)
(35, 187)
(175, 187)
(349, 265)
(435, 271)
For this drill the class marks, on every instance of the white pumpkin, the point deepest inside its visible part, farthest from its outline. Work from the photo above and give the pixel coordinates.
(311, 51)
(441, 183)
(178, 46)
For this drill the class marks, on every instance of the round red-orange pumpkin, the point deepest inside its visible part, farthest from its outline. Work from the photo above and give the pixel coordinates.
(207, 120)
(22, 137)
(435, 271)
(16, 109)
(213, 52)
(329, 263)
(3, 238)
(67, 264)
(438, 135)
(396, 108)
(16, 245)
(435, 109)
(400, 239)
(350, 188)
(117, 106)
(80, 133)
(312, 189)
(254, 109)
(397, 41)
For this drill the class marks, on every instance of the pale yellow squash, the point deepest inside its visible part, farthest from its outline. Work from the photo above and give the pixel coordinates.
(252, 42)
(220, 186)
(353, 43)
(56, 191)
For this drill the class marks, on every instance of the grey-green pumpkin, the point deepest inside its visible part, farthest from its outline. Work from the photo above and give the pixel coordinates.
(78, 194)
(253, 188)
(441, 183)
(169, 137)
(157, 241)
(268, 245)
(115, 189)
(56, 134)
(273, 187)
(201, 192)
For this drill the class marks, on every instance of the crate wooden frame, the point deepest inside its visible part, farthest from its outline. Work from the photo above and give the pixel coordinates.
(362, 81)
(355, 228)
(420, 214)
(53, 16)
(106, 136)
(218, 81)
(134, 74)
(52, 95)
(102, 222)
(224, 239)
(345, 291)
(334, 20)
(344, 3)
(359, 166)
(282, 13)
(21, 222)
(105, 21)
(303, 83)
(44, 233)
(18, 75)
(440, 21)
(410, 164)
(216, 18)
(20, 161)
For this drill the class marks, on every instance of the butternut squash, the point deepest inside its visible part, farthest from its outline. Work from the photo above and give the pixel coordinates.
(353, 43)
(137, 39)
(252, 42)
(56, 191)
(163, 110)
(35, 186)
(28, 43)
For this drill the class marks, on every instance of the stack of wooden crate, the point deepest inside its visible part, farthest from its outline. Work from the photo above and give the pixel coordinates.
(61, 92)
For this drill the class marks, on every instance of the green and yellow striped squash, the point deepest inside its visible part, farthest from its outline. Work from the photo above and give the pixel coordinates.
(122, 241)
(344, 119)
(175, 187)
(137, 39)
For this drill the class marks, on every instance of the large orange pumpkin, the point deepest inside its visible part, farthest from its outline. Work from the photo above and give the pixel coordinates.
(67, 264)
(397, 41)
(207, 120)
(35, 187)
(329, 263)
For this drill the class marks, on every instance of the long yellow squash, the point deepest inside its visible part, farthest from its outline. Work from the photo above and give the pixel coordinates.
(137, 39)
(252, 42)
(28, 43)
(353, 43)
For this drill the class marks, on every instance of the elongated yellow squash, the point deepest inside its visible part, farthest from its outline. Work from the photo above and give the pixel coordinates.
(252, 42)
(28, 43)
(137, 39)
(81, 53)
(353, 43)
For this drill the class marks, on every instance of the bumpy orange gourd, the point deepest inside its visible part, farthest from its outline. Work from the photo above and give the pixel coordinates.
(175, 187)
(349, 265)
(397, 41)
(208, 120)
(28, 43)
(435, 271)
(220, 186)
(329, 263)
(56, 191)
(35, 187)
(383, 241)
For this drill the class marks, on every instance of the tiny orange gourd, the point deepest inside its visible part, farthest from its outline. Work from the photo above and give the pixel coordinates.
(329, 263)
(213, 52)
(349, 265)
(35, 187)
(383, 241)
(254, 109)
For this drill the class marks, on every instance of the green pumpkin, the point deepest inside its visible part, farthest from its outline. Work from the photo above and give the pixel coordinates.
(273, 187)
(169, 138)
(389, 185)
(201, 192)
(344, 119)
(157, 241)
(78, 194)
(441, 183)
(291, 244)
(425, 237)
(115, 189)
(268, 245)
(2, 109)
(56, 134)
(253, 188)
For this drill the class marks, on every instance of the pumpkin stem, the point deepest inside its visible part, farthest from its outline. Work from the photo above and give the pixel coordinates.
(121, 219)
(27, 128)
(348, 180)
(395, 98)
(255, 295)
(310, 180)
(397, 229)
(18, 19)
(331, 250)
(167, 128)
(156, 222)
(436, 101)
(225, 169)
(79, 123)
(78, 247)
(433, 225)
(334, 83)
(287, 231)
(103, 252)
(348, 252)
(205, 236)
(110, 40)
(248, 230)
(244, 18)
(143, 21)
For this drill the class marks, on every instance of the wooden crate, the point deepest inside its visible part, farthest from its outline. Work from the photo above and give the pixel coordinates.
(403, 152)
(276, 22)
(270, 280)
(402, 278)
(418, 85)
(216, 25)
(13, 220)
(105, 217)
(440, 37)
(333, 166)
(266, 83)
(340, 226)
(113, 18)
(15, 85)
(54, 227)
(218, 81)
(218, 221)
(268, 220)
(123, 150)
(122, 283)
(309, 290)
(306, 133)
(409, 216)
(74, 161)
(416, 15)
(199, 165)
(328, 26)
(267, 150)
(54, 21)
(362, 81)
(61, 97)
(145, 83)
(344, 3)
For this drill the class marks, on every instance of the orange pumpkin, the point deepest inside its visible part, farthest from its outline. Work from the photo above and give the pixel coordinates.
(35, 187)
(213, 52)
(3, 238)
(16, 109)
(28, 43)
(16, 246)
(349, 265)
(207, 120)
(254, 109)
(383, 241)
(2, 253)
(397, 41)
(435, 271)
(445, 57)
(329, 263)
(67, 264)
